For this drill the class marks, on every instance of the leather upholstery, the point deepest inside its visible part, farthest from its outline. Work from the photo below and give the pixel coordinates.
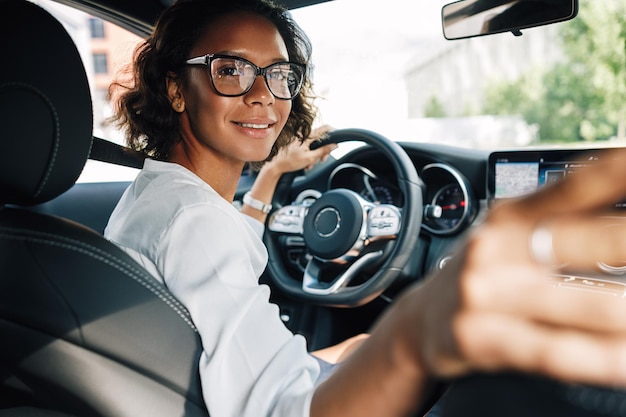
(44, 94)
(84, 329)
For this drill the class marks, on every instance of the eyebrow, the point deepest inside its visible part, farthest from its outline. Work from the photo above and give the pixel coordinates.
(239, 54)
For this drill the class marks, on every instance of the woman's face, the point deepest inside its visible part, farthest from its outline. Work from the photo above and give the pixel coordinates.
(235, 129)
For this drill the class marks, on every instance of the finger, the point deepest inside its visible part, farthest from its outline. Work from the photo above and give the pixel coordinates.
(534, 294)
(590, 188)
(582, 242)
(321, 132)
(315, 144)
(495, 342)
(322, 151)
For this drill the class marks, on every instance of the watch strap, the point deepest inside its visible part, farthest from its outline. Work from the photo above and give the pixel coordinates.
(256, 204)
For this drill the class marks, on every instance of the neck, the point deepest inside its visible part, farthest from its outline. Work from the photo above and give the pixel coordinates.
(221, 174)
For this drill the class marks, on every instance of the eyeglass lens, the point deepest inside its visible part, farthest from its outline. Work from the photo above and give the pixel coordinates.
(232, 76)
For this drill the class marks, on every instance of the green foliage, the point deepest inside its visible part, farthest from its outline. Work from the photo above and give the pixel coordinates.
(583, 98)
(434, 108)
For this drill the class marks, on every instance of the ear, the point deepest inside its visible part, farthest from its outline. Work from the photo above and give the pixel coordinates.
(174, 92)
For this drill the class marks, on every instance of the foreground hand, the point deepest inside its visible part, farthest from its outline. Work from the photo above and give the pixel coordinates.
(493, 308)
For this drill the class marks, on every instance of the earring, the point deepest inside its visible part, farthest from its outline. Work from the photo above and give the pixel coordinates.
(178, 106)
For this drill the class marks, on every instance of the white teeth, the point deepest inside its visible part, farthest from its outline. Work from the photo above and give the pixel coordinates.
(254, 126)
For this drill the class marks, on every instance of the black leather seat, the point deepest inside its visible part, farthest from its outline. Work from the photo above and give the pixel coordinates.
(83, 329)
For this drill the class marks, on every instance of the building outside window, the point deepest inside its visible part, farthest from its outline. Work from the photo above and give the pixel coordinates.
(100, 64)
(96, 27)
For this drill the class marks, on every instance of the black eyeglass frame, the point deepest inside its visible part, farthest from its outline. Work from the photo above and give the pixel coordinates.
(207, 59)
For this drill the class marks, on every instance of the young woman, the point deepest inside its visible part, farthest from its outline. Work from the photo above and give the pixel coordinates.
(223, 83)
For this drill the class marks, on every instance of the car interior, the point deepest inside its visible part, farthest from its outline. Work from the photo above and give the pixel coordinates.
(86, 331)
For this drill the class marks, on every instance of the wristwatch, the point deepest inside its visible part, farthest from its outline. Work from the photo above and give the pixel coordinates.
(256, 204)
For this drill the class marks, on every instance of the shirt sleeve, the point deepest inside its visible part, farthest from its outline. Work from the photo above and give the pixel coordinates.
(257, 226)
(252, 365)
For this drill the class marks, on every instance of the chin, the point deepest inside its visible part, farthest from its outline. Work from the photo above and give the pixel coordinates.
(258, 155)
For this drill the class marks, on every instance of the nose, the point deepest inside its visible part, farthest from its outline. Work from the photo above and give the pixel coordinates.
(259, 93)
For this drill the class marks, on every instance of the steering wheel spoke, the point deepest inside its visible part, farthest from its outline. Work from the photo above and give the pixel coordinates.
(312, 285)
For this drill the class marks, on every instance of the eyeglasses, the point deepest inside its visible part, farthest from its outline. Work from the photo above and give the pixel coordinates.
(232, 76)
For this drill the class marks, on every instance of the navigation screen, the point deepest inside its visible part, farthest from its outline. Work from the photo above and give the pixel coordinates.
(516, 178)
(515, 173)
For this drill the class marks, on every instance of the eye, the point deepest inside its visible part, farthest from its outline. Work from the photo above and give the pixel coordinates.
(279, 73)
(228, 70)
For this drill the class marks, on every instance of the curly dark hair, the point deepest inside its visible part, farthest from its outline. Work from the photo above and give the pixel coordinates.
(143, 107)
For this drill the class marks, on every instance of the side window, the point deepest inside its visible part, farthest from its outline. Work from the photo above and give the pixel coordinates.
(105, 49)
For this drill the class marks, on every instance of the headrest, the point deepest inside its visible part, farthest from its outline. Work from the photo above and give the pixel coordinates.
(46, 118)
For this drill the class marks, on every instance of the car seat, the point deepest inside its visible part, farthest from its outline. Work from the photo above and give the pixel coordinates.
(84, 330)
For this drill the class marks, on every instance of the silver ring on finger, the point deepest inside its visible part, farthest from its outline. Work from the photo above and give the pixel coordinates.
(540, 244)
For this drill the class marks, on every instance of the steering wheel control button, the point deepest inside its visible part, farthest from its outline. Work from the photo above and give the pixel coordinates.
(384, 221)
(288, 219)
(334, 225)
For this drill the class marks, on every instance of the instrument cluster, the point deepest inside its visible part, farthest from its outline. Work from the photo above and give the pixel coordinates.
(449, 205)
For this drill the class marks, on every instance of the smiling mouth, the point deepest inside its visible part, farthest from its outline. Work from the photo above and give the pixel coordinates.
(254, 125)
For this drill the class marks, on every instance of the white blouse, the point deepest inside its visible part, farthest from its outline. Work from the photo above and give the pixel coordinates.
(210, 257)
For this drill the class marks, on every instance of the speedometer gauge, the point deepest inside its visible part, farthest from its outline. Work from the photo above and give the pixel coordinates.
(450, 203)
(379, 194)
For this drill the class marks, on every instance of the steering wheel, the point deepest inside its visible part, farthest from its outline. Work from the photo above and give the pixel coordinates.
(523, 395)
(341, 231)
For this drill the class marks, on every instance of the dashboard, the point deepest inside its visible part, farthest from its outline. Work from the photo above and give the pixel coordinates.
(456, 182)
(458, 185)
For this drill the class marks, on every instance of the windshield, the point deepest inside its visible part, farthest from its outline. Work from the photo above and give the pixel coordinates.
(388, 68)
(385, 66)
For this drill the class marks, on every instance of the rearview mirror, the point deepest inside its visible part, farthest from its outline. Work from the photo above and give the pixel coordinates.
(468, 18)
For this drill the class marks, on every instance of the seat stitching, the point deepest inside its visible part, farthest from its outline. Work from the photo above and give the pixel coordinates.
(57, 134)
(96, 253)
